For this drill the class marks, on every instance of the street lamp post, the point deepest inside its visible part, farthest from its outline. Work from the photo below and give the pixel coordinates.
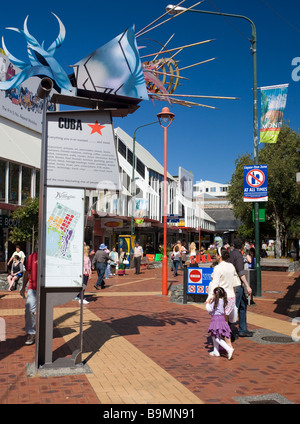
(173, 10)
(133, 191)
(200, 198)
(165, 118)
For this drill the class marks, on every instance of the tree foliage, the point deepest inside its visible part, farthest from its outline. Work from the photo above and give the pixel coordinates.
(27, 215)
(283, 206)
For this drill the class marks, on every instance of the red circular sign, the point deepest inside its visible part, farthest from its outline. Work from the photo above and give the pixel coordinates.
(195, 276)
(255, 178)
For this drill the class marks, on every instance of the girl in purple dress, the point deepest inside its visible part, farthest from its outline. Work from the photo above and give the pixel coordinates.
(218, 327)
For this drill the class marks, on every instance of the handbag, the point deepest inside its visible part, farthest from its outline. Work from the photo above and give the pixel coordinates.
(233, 316)
(126, 262)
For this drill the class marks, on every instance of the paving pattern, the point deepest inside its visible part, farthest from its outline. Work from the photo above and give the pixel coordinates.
(144, 349)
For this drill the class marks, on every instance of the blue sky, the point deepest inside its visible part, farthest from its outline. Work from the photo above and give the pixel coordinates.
(203, 141)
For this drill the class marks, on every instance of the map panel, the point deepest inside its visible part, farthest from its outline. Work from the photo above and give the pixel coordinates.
(61, 226)
(64, 237)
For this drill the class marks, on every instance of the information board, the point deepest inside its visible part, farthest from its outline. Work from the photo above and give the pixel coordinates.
(81, 151)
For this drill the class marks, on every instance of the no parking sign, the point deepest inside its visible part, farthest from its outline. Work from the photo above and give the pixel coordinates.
(256, 183)
(198, 280)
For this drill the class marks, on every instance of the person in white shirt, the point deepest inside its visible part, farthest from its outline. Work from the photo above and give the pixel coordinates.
(176, 258)
(223, 276)
(137, 257)
(19, 253)
(114, 257)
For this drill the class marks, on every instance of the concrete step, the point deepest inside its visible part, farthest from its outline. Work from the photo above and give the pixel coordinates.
(4, 283)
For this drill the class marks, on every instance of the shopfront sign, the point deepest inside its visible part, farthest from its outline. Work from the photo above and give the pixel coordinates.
(7, 221)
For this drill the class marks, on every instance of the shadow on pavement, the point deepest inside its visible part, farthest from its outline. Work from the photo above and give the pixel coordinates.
(289, 305)
(99, 332)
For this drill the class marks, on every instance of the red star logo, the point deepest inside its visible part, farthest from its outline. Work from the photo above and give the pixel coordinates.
(96, 128)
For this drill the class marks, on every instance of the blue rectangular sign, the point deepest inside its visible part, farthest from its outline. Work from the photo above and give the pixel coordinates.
(173, 218)
(256, 183)
(198, 280)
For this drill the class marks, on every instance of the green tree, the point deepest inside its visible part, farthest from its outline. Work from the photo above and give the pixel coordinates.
(242, 210)
(27, 215)
(283, 161)
(283, 206)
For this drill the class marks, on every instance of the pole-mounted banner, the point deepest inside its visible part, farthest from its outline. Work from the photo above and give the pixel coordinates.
(273, 102)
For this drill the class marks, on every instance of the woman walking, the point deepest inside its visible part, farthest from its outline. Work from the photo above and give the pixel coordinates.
(223, 276)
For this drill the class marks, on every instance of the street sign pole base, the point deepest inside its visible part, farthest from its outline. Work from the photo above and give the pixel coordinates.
(49, 298)
(74, 361)
(57, 371)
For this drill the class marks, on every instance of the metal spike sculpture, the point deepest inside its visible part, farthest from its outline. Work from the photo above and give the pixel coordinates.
(157, 70)
(42, 62)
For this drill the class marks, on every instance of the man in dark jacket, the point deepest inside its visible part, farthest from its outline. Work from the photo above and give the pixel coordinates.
(236, 258)
(100, 259)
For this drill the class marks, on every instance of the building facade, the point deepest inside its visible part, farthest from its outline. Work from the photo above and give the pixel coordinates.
(108, 214)
(214, 200)
(144, 183)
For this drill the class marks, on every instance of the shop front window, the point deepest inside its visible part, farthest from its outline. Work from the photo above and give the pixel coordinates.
(37, 183)
(2, 180)
(13, 183)
(26, 183)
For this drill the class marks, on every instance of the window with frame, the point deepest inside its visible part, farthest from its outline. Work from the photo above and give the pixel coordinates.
(140, 167)
(2, 180)
(37, 183)
(129, 157)
(86, 204)
(26, 183)
(122, 148)
(13, 189)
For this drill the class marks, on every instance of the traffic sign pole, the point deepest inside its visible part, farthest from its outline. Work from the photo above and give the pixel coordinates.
(257, 248)
(256, 191)
(256, 162)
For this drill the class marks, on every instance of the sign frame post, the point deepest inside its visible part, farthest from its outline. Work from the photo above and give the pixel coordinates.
(47, 298)
(50, 296)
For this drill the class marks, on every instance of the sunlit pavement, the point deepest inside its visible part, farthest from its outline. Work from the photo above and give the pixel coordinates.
(143, 349)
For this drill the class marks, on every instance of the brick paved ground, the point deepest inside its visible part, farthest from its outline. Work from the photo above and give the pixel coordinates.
(144, 349)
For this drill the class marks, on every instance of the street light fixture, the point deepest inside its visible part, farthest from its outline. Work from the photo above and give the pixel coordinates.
(174, 10)
(165, 118)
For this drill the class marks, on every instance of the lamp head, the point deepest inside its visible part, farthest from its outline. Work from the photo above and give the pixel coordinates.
(165, 117)
(45, 88)
(171, 9)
